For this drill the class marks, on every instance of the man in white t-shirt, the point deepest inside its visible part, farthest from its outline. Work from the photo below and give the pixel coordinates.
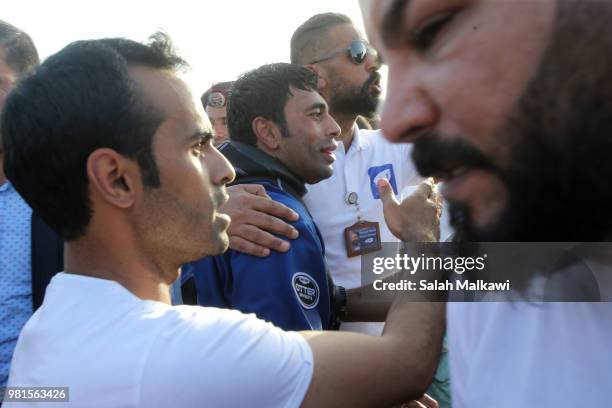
(509, 103)
(120, 164)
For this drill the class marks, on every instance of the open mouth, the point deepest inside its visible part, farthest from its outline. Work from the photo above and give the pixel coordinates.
(328, 152)
(450, 172)
(375, 86)
(453, 177)
(460, 183)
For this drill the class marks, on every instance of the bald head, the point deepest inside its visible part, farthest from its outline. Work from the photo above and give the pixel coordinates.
(310, 39)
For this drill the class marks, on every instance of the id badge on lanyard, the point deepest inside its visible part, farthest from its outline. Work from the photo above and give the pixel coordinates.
(362, 237)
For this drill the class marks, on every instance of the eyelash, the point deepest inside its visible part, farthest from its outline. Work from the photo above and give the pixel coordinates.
(424, 38)
(198, 148)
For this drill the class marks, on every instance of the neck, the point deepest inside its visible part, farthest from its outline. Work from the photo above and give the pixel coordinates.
(346, 123)
(121, 261)
(283, 169)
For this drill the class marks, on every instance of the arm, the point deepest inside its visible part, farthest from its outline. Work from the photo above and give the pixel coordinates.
(364, 305)
(415, 219)
(355, 370)
(255, 217)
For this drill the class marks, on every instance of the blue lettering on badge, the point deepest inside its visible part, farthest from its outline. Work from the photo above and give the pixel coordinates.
(378, 172)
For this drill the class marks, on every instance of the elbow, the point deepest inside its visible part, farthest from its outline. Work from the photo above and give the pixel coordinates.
(422, 383)
(419, 377)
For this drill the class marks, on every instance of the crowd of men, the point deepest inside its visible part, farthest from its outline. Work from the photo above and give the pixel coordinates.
(223, 268)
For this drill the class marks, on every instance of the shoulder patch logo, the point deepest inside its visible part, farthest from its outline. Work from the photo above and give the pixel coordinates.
(306, 289)
(378, 172)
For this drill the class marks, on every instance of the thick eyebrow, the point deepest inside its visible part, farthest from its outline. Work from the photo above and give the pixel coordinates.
(316, 105)
(392, 22)
(200, 135)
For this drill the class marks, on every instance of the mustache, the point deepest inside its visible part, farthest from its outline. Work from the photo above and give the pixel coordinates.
(375, 76)
(434, 155)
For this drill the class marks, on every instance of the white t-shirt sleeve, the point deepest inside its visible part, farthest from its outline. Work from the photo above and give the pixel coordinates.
(221, 358)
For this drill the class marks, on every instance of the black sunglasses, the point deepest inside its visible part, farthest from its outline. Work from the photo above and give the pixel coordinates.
(357, 50)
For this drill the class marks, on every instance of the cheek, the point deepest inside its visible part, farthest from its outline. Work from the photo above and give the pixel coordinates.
(187, 176)
(480, 74)
(474, 104)
(220, 130)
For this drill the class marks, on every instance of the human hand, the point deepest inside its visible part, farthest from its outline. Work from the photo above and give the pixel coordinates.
(417, 217)
(255, 218)
(425, 402)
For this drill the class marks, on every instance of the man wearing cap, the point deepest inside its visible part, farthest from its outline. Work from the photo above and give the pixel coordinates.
(214, 101)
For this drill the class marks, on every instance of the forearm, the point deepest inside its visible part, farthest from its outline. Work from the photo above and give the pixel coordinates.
(395, 367)
(366, 304)
(363, 305)
(416, 328)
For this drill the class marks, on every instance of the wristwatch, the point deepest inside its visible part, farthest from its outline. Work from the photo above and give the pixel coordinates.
(338, 306)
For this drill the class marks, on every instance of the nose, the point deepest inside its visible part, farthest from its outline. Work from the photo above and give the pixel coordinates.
(372, 61)
(333, 129)
(220, 170)
(408, 110)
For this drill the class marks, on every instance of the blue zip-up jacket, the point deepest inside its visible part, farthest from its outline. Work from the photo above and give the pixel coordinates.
(290, 289)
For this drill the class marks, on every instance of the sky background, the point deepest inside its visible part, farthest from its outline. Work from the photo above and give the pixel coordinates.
(220, 39)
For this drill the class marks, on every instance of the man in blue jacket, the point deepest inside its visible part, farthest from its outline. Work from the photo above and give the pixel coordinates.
(282, 137)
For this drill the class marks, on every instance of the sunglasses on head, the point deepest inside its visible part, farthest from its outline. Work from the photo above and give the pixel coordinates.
(358, 51)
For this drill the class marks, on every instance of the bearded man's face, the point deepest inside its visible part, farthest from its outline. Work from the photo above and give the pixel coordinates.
(516, 119)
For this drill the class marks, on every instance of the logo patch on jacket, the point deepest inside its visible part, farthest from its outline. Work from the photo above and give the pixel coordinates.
(306, 289)
(378, 172)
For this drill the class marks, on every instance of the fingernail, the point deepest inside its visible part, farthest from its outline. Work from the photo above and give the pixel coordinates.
(294, 233)
(284, 246)
(266, 252)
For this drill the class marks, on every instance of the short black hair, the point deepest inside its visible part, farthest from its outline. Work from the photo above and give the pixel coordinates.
(264, 92)
(79, 100)
(311, 37)
(19, 51)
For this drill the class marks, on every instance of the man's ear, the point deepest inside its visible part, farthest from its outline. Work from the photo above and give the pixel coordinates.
(322, 81)
(113, 177)
(267, 133)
